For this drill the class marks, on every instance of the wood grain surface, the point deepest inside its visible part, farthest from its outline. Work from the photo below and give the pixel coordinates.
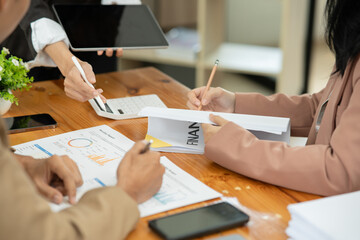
(266, 204)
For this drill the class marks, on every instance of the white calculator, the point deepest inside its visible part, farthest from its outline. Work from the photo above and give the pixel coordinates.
(127, 107)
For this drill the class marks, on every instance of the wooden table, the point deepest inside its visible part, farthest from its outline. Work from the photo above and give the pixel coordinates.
(265, 203)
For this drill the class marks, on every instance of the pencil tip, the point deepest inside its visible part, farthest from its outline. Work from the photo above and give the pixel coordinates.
(217, 62)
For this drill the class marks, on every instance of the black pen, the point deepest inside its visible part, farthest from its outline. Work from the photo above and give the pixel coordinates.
(147, 147)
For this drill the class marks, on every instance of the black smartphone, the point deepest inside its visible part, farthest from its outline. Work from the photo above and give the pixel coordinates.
(29, 123)
(199, 222)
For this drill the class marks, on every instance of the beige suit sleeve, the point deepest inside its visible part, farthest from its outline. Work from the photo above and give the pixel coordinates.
(300, 109)
(106, 213)
(320, 169)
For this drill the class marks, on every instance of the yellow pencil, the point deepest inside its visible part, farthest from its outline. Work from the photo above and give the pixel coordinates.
(209, 82)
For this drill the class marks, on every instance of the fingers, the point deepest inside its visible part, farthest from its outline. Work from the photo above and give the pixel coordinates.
(76, 88)
(49, 192)
(90, 75)
(194, 96)
(68, 172)
(74, 169)
(191, 106)
(138, 147)
(109, 52)
(218, 120)
(140, 174)
(210, 95)
(70, 187)
(101, 96)
(119, 52)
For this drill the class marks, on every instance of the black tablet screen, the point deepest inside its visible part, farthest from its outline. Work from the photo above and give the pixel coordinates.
(108, 26)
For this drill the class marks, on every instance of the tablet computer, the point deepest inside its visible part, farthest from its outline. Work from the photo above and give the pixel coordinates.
(92, 27)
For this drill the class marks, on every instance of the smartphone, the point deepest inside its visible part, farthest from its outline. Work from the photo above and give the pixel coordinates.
(199, 222)
(29, 123)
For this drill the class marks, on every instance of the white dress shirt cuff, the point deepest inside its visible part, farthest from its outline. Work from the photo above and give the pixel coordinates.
(45, 32)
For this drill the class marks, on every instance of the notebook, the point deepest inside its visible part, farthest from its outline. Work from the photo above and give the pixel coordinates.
(179, 130)
(127, 107)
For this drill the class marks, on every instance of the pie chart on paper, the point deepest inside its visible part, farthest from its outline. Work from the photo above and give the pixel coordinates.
(80, 142)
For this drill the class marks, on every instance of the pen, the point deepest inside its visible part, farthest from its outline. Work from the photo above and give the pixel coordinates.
(209, 81)
(97, 98)
(147, 147)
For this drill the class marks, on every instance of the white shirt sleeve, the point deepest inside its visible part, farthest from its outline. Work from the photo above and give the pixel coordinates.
(45, 32)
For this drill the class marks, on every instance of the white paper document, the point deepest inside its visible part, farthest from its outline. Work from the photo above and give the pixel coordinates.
(179, 130)
(98, 151)
(336, 217)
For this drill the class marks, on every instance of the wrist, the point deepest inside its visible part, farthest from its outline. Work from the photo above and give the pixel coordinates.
(61, 55)
(129, 191)
(24, 161)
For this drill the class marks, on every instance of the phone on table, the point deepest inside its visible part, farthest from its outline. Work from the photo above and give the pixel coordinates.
(29, 123)
(199, 222)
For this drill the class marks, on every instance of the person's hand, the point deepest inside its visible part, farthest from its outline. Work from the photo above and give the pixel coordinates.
(54, 177)
(210, 130)
(109, 52)
(140, 174)
(74, 85)
(216, 99)
(76, 88)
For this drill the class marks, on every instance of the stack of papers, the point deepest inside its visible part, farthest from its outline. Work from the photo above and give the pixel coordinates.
(98, 151)
(179, 130)
(336, 217)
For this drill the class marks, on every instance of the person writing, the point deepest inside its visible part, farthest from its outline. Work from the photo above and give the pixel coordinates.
(329, 163)
(104, 213)
(41, 41)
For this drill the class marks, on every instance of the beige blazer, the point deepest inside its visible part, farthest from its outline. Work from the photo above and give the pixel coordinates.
(105, 213)
(328, 165)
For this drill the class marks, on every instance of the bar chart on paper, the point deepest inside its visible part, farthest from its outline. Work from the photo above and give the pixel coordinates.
(178, 189)
(101, 159)
(98, 151)
(89, 148)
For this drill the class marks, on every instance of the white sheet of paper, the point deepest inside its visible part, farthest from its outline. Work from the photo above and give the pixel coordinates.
(98, 152)
(179, 130)
(275, 125)
(335, 217)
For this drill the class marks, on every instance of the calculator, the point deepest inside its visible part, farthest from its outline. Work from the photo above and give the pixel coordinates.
(127, 107)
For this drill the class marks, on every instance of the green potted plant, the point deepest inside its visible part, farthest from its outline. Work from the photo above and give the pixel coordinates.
(13, 76)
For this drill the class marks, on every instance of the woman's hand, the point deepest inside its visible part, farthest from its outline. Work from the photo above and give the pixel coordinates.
(216, 99)
(54, 177)
(210, 130)
(75, 86)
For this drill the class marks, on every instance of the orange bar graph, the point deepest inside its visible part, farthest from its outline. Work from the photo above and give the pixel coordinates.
(101, 159)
